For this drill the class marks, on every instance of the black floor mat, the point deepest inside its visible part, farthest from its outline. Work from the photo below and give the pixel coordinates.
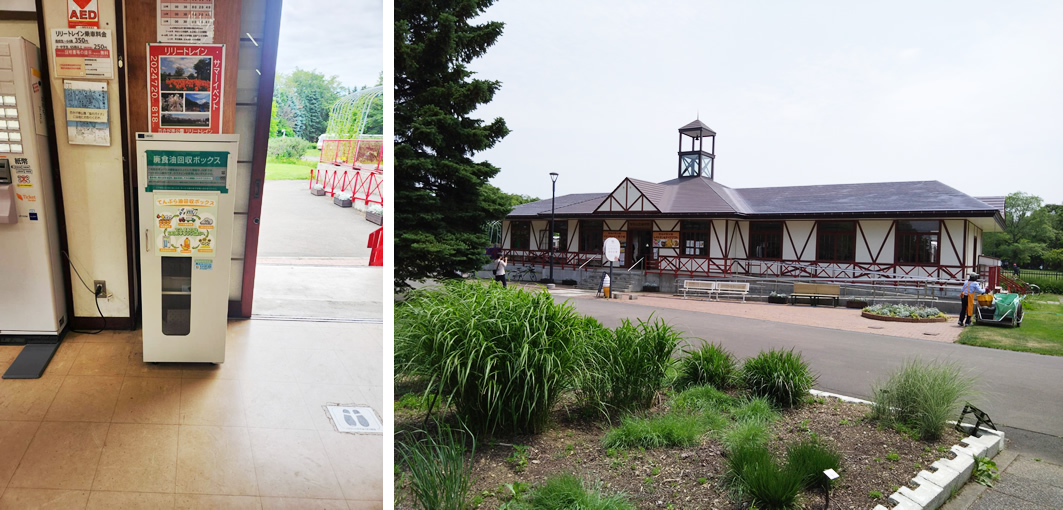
(31, 362)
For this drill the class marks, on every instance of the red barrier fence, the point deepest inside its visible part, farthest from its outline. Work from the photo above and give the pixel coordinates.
(364, 185)
(360, 154)
(376, 242)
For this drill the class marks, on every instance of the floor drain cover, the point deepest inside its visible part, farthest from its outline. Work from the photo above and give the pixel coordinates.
(355, 419)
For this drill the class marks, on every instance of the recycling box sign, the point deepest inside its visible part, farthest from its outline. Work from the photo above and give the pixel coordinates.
(185, 225)
(187, 170)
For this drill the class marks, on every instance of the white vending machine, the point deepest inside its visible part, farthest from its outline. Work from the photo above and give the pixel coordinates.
(32, 296)
(186, 221)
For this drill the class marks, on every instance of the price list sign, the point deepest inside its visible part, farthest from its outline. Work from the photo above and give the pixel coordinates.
(83, 53)
(186, 21)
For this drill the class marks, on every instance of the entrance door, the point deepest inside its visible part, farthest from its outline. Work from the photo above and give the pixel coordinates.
(639, 248)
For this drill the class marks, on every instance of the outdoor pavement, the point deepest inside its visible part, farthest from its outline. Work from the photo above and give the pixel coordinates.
(313, 258)
(1020, 391)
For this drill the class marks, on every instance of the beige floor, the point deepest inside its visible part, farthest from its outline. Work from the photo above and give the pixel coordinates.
(102, 429)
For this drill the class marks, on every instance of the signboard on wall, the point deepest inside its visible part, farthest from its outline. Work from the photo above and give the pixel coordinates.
(82, 53)
(83, 13)
(186, 21)
(186, 170)
(86, 112)
(620, 235)
(666, 239)
(184, 225)
(185, 88)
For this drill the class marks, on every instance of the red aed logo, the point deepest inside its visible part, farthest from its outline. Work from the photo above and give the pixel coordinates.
(83, 15)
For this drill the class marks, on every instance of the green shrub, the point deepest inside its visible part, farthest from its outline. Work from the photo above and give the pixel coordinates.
(780, 375)
(566, 492)
(921, 396)
(743, 434)
(440, 475)
(711, 364)
(1047, 285)
(501, 357)
(757, 409)
(624, 370)
(287, 148)
(753, 471)
(659, 431)
(810, 458)
(703, 398)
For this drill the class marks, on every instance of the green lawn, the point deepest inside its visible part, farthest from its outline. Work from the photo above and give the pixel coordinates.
(287, 171)
(1039, 333)
(313, 152)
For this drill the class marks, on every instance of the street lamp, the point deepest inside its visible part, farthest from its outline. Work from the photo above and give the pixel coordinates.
(553, 195)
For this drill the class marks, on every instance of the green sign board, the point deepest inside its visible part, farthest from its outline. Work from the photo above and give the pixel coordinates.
(187, 170)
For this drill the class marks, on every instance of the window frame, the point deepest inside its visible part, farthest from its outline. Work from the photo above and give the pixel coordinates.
(591, 236)
(753, 238)
(899, 236)
(834, 235)
(687, 232)
(525, 235)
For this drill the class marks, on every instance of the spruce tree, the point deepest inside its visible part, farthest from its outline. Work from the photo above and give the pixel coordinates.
(440, 203)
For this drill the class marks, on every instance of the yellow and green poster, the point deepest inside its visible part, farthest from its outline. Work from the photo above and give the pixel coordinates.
(185, 226)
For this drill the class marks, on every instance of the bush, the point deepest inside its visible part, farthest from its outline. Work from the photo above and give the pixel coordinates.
(703, 398)
(624, 370)
(1047, 285)
(753, 471)
(658, 431)
(501, 356)
(287, 148)
(810, 458)
(711, 364)
(568, 492)
(780, 375)
(921, 396)
(440, 476)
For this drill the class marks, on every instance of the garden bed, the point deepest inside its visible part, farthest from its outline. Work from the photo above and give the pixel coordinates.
(888, 318)
(875, 460)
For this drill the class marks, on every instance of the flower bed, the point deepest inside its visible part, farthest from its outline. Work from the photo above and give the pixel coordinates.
(903, 313)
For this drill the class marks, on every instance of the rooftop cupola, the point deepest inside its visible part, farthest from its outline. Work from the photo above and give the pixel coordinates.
(695, 161)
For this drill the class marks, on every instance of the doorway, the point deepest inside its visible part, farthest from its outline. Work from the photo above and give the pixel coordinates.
(639, 247)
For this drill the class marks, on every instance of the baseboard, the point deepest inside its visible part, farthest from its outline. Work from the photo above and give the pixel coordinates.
(94, 323)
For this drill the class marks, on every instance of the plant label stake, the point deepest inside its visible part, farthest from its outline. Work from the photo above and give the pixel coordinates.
(831, 476)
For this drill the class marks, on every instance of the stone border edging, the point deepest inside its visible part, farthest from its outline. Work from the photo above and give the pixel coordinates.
(933, 488)
(889, 318)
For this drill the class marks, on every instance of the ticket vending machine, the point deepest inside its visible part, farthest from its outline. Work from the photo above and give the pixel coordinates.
(32, 296)
(186, 201)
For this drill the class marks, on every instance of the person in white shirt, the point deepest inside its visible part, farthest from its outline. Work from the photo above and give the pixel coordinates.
(500, 270)
(968, 292)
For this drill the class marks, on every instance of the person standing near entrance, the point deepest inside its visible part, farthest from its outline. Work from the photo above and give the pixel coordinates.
(500, 270)
(968, 292)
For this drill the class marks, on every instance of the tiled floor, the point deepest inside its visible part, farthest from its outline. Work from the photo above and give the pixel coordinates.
(102, 429)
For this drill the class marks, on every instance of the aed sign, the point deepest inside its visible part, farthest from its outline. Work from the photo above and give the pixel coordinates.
(83, 13)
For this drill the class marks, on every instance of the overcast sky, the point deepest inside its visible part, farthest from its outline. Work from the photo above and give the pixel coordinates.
(969, 93)
(337, 37)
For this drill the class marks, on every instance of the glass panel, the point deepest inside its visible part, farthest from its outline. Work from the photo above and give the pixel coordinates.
(177, 295)
(688, 166)
(706, 166)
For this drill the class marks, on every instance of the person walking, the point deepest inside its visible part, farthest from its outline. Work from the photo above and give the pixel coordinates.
(968, 291)
(500, 270)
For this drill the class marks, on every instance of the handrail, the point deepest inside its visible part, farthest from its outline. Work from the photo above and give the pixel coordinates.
(635, 264)
(585, 263)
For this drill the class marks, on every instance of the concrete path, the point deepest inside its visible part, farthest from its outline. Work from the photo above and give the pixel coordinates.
(1026, 483)
(313, 258)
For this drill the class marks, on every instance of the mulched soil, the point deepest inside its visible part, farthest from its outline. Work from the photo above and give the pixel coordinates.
(683, 478)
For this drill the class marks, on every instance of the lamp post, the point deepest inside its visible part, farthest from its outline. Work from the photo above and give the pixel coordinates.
(553, 195)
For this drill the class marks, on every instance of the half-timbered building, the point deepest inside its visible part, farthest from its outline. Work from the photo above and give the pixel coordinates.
(693, 226)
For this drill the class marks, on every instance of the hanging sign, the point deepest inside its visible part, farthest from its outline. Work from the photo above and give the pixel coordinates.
(185, 88)
(82, 53)
(186, 21)
(83, 13)
(86, 113)
(666, 239)
(184, 225)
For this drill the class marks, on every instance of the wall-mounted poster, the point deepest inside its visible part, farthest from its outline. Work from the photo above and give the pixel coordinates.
(186, 21)
(666, 240)
(185, 88)
(86, 113)
(82, 53)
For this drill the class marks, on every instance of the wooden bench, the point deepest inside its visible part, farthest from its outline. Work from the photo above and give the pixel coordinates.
(698, 286)
(815, 291)
(733, 288)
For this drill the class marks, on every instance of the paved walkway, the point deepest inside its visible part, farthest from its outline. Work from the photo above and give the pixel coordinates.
(1026, 483)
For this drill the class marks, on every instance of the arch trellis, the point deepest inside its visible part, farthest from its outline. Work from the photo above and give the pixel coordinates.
(351, 159)
(349, 115)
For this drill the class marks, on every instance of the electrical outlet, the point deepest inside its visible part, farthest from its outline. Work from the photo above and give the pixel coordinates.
(100, 283)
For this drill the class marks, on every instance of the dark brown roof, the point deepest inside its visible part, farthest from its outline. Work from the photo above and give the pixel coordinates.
(578, 203)
(698, 126)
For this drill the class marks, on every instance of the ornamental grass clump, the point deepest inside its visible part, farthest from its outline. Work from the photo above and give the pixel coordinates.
(500, 357)
(810, 458)
(565, 492)
(921, 396)
(703, 398)
(782, 376)
(711, 364)
(622, 370)
(440, 472)
(660, 431)
(754, 474)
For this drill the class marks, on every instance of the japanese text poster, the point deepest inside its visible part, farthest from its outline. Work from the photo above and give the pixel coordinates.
(185, 88)
(82, 53)
(185, 225)
(86, 112)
